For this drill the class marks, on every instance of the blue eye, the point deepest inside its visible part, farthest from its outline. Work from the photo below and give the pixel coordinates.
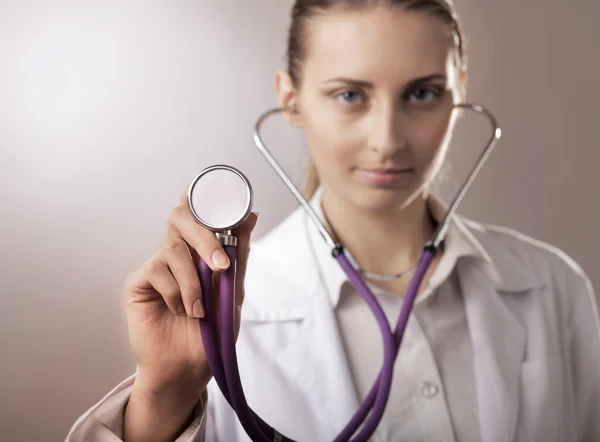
(349, 97)
(424, 94)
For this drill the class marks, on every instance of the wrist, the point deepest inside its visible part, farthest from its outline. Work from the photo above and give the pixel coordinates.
(167, 397)
(159, 414)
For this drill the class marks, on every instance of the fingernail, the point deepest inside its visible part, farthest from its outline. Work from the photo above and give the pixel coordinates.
(220, 259)
(197, 309)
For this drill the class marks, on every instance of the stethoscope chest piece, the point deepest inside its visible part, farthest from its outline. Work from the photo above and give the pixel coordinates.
(220, 198)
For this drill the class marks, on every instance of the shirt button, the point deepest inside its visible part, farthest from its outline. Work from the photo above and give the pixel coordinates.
(428, 389)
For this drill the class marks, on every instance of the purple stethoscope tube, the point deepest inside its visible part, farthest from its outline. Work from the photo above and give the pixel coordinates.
(219, 344)
(223, 361)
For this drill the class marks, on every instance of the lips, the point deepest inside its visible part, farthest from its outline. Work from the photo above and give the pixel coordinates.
(385, 176)
(388, 171)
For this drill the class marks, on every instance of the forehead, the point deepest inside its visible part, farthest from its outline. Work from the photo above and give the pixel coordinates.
(372, 43)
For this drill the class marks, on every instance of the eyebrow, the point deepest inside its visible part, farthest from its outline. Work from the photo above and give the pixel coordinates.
(369, 85)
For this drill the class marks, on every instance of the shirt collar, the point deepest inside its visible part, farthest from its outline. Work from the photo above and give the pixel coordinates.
(459, 243)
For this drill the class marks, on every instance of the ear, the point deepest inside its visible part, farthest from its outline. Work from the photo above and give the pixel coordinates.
(463, 78)
(287, 97)
(461, 86)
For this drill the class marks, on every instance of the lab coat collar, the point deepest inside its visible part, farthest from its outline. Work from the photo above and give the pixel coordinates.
(295, 247)
(460, 243)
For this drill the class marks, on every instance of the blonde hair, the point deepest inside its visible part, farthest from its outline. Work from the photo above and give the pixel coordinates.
(311, 180)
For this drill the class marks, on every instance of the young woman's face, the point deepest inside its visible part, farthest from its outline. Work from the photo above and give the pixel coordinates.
(375, 100)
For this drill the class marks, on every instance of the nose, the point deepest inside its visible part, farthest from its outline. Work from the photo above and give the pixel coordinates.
(387, 136)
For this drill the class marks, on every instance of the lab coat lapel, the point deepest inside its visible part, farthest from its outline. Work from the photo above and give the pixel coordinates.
(316, 360)
(498, 345)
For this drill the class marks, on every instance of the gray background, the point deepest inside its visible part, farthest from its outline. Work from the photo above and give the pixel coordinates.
(108, 109)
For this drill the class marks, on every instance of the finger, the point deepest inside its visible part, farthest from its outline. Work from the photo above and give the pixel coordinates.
(244, 230)
(183, 269)
(173, 235)
(200, 239)
(158, 275)
(183, 199)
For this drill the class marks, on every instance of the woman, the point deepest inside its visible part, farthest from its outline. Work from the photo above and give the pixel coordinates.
(504, 341)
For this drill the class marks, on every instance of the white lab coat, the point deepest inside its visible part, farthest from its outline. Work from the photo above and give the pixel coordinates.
(535, 334)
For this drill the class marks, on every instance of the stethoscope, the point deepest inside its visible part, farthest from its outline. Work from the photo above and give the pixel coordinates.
(220, 198)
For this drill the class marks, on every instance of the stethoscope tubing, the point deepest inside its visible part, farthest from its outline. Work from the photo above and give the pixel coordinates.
(223, 359)
(224, 365)
(208, 326)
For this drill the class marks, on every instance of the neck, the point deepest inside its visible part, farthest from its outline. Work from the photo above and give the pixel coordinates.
(383, 242)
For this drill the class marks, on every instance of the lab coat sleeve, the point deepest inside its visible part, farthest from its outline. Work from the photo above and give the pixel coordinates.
(104, 421)
(584, 335)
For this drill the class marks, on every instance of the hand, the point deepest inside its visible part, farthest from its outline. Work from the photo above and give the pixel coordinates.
(164, 300)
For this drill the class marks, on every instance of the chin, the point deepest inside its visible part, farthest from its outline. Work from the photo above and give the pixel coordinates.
(382, 199)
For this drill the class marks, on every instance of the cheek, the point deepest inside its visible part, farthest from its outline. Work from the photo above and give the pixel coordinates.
(333, 141)
(427, 135)
(329, 151)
